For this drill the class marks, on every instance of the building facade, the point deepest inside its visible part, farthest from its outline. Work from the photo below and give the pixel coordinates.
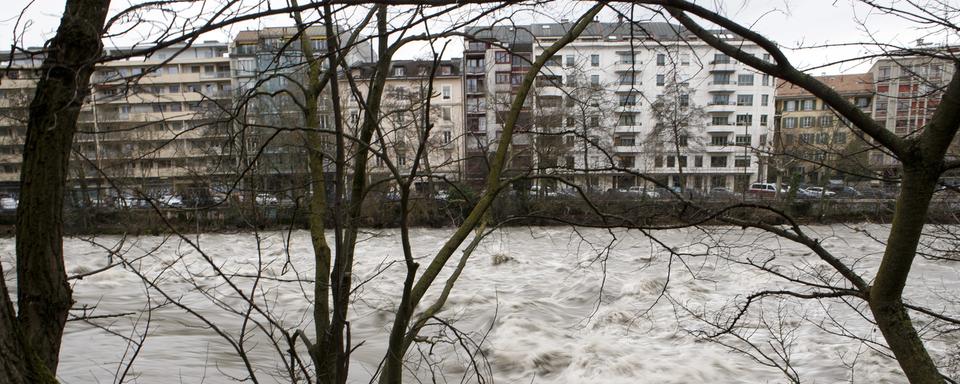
(411, 87)
(813, 144)
(908, 90)
(600, 106)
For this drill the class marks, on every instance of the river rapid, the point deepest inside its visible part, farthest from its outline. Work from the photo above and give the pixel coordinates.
(534, 305)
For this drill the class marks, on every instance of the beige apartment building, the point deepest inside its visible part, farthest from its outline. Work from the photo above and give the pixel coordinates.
(150, 125)
(811, 141)
(407, 90)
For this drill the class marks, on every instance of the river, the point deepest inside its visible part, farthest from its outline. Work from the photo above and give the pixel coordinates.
(545, 305)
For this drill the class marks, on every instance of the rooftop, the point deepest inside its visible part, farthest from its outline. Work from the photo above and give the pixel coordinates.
(852, 84)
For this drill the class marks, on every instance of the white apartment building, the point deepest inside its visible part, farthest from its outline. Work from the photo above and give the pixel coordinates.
(602, 87)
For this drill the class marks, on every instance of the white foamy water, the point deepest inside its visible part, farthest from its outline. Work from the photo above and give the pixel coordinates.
(563, 309)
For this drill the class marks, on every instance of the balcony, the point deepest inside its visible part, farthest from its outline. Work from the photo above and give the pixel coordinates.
(475, 70)
(721, 106)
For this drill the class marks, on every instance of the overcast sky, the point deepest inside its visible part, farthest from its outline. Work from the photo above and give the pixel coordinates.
(791, 23)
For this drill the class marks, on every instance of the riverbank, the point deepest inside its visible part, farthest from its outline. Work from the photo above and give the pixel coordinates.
(430, 213)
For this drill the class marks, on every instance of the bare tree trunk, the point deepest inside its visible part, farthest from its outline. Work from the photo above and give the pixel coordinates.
(44, 297)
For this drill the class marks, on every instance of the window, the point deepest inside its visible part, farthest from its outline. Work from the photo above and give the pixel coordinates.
(826, 121)
(502, 78)
(764, 100)
(571, 122)
(626, 141)
(658, 161)
(401, 160)
(594, 79)
(594, 121)
(682, 160)
(808, 105)
(823, 138)
(447, 92)
(765, 80)
(626, 58)
(173, 70)
(698, 161)
(594, 60)
(447, 137)
(195, 69)
(743, 140)
(718, 140)
(806, 122)
(627, 162)
(570, 61)
(627, 78)
(208, 69)
(884, 74)
(763, 120)
(661, 59)
(684, 59)
(766, 57)
(446, 113)
(661, 79)
(628, 100)
(684, 100)
(720, 99)
(721, 78)
(719, 58)
(176, 107)
(718, 161)
(746, 79)
(741, 161)
(862, 102)
(744, 120)
(788, 139)
(790, 105)
(399, 71)
(682, 141)
(720, 120)
(839, 137)
(745, 100)
(501, 57)
(175, 88)
(627, 120)
(671, 161)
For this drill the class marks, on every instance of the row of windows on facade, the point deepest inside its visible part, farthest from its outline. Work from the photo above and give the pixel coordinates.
(317, 44)
(442, 70)
(822, 138)
(671, 161)
(925, 70)
(741, 100)
(208, 70)
(825, 121)
(683, 141)
(741, 120)
(208, 89)
(400, 93)
(624, 78)
(683, 59)
(811, 104)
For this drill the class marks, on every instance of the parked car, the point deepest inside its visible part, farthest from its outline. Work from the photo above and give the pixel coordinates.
(8, 203)
(762, 190)
(721, 193)
(266, 199)
(820, 192)
(803, 193)
(848, 192)
(172, 201)
(130, 201)
(639, 191)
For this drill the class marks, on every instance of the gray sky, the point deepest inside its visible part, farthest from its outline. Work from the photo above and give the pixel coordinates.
(792, 23)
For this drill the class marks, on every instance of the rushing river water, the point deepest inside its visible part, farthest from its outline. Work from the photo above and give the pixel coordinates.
(557, 306)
